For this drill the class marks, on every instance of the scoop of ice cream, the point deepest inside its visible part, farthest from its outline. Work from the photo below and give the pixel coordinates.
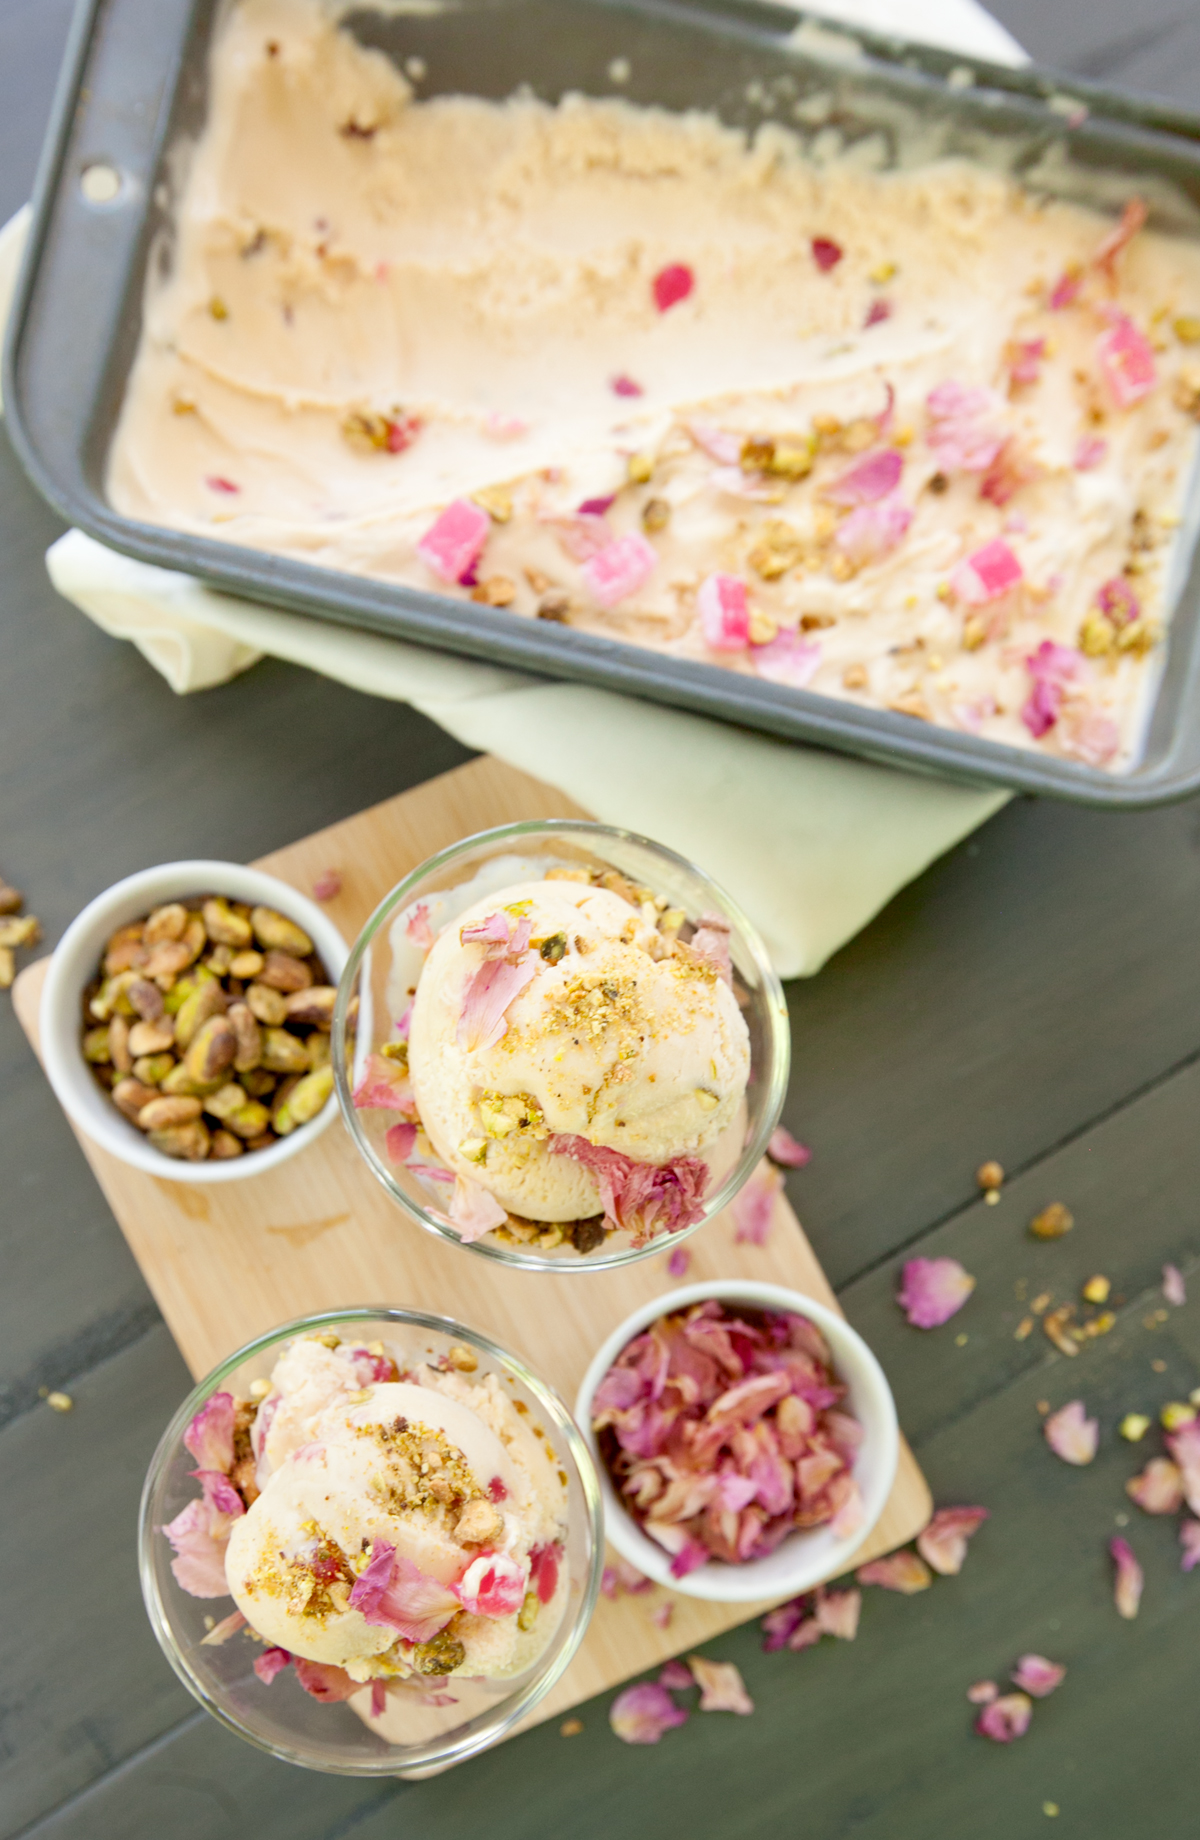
(614, 1037)
(401, 1536)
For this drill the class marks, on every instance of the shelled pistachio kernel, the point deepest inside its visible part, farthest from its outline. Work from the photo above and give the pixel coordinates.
(1133, 1427)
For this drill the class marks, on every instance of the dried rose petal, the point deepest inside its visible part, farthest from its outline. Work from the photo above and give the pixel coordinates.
(679, 1261)
(1088, 735)
(784, 1148)
(597, 507)
(325, 1682)
(983, 1692)
(806, 1635)
(1126, 358)
(1173, 1286)
(271, 1662)
(620, 569)
(496, 984)
(327, 886)
(1159, 1488)
(1189, 1539)
(779, 1624)
(1065, 289)
(643, 1713)
(837, 1613)
(960, 434)
(987, 574)
(625, 386)
(943, 1544)
(721, 1686)
(1184, 1446)
(473, 1210)
(690, 1557)
(676, 1676)
(724, 613)
(826, 253)
(1034, 1674)
(385, 1086)
(869, 481)
(672, 284)
(787, 659)
(209, 1436)
(1127, 1590)
(392, 1592)
(877, 312)
(933, 1290)
(221, 1632)
(661, 1617)
(1117, 599)
(873, 531)
(900, 1571)
(455, 540)
(378, 1699)
(1052, 667)
(398, 1141)
(1110, 246)
(1025, 361)
(1071, 1434)
(1005, 1718)
(641, 1198)
(1090, 451)
(754, 1207)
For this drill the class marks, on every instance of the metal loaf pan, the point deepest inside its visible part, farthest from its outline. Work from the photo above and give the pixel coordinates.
(134, 83)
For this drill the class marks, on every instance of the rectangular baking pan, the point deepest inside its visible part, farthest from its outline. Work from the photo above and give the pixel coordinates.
(134, 83)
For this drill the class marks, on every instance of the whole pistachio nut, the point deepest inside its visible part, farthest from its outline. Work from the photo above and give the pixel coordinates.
(118, 1044)
(224, 926)
(227, 1099)
(112, 996)
(206, 1001)
(258, 1082)
(167, 960)
(212, 1049)
(263, 1141)
(8, 967)
(165, 923)
(21, 930)
(284, 1053)
(267, 1004)
(179, 1082)
(190, 1143)
(219, 960)
(156, 1037)
(95, 1046)
(225, 1146)
(246, 965)
(320, 1049)
(146, 998)
(249, 1121)
(152, 1069)
(179, 993)
(162, 1113)
(248, 1053)
(125, 950)
(132, 1097)
(314, 1005)
(275, 932)
(304, 1101)
(283, 972)
(279, 1111)
(194, 937)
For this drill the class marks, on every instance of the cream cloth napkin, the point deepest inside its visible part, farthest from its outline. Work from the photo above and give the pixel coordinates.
(812, 843)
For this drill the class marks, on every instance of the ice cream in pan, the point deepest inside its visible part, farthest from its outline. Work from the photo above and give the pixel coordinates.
(569, 1066)
(376, 1527)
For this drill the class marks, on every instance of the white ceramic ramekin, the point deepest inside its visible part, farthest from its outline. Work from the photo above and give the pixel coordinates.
(805, 1557)
(74, 964)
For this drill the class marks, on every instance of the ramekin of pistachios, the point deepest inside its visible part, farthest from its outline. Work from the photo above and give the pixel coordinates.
(185, 1020)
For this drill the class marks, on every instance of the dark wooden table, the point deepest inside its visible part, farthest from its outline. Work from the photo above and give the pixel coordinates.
(1035, 997)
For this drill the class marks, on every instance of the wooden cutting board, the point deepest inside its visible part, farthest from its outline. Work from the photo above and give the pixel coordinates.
(227, 1262)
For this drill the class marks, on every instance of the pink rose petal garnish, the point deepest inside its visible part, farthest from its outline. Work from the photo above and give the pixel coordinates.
(1071, 1434)
(777, 1625)
(672, 284)
(721, 1686)
(581, 534)
(785, 1149)
(753, 1207)
(787, 659)
(1184, 1446)
(1159, 1487)
(1052, 667)
(837, 1612)
(473, 1210)
(621, 1576)
(1087, 734)
(325, 1682)
(1065, 290)
(641, 1198)
(724, 613)
(826, 253)
(943, 1544)
(625, 386)
(983, 1692)
(219, 1493)
(1173, 1287)
(1009, 471)
(384, 1087)
(1005, 1718)
(199, 1537)
(933, 1290)
(877, 312)
(717, 443)
(1090, 452)
(496, 984)
(544, 1563)
(873, 531)
(1189, 1539)
(597, 507)
(620, 569)
(378, 1699)
(1025, 360)
(417, 929)
(209, 1436)
(216, 483)
(690, 1557)
(1035, 1675)
(398, 1141)
(221, 1632)
(960, 433)
(662, 1616)
(676, 1676)
(493, 1585)
(901, 1571)
(641, 1714)
(987, 574)
(327, 886)
(1126, 358)
(271, 1662)
(500, 427)
(806, 1635)
(868, 481)
(1109, 247)
(1127, 1587)
(678, 1262)
(393, 1593)
(454, 541)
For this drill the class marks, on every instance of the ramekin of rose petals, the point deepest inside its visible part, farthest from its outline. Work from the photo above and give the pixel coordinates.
(746, 1440)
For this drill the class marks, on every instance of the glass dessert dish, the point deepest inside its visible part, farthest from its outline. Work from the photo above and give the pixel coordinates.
(560, 1044)
(417, 1697)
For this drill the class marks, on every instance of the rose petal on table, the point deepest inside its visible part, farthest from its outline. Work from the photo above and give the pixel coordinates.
(933, 1290)
(778, 1624)
(327, 886)
(902, 1571)
(783, 1148)
(1127, 1586)
(721, 1686)
(983, 1692)
(641, 1714)
(837, 1613)
(1005, 1718)
(678, 1262)
(1173, 1287)
(1158, 1489)
(806, 1635)
(753, 1206)
(676, 1675)
(943, 1544)
(1071, 1434)
(1184, 1446)
(1189, 1539)
(1034, 1674)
